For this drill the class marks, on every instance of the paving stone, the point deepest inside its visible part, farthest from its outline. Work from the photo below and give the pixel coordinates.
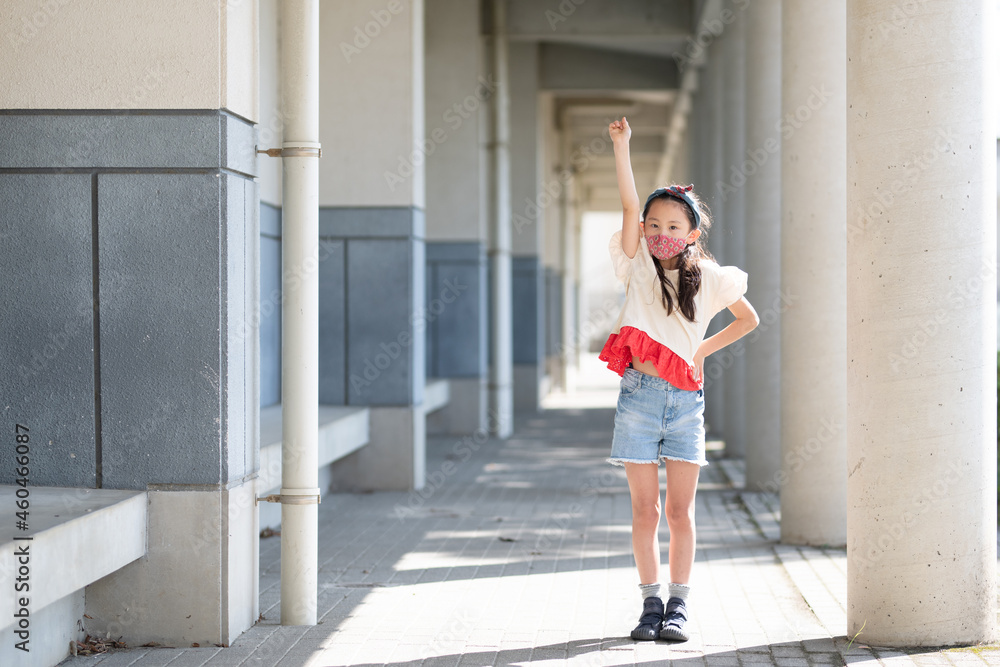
(966, 658)
(755, 659)
(788, 651)
(722, 661)
(560, 588)
(931, 658)
(117, 658)
(821, 645)
(826, 659)
(441, 661)
(193, 657)
(790, 662)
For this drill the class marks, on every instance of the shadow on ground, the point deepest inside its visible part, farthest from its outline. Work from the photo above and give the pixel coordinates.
(835, 651)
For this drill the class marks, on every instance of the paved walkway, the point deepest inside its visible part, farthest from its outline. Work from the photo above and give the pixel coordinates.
(518, 552)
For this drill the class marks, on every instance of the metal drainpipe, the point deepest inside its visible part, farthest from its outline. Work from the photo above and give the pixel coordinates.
(300, 310)
(501, 377)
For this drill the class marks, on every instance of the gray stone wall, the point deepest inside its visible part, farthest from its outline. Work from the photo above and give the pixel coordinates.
(270, 305)
(529, 334)
(372, 271)
(456, 312)
(129, 257)
(553, 312)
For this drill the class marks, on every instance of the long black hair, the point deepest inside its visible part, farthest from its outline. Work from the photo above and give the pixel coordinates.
(688, 271)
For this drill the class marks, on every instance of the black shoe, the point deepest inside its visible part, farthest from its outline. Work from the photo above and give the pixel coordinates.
(674, 618)
(650, 621)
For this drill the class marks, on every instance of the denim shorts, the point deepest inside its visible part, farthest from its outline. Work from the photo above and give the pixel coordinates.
(655, 420)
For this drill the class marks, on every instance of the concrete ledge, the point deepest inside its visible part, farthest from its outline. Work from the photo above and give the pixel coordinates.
(342, 430)
(437, 394)
(394, 460)
(466, 411)
(527, 387)
(78, 536)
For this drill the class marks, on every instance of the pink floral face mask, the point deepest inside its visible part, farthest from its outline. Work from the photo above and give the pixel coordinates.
(662, 246)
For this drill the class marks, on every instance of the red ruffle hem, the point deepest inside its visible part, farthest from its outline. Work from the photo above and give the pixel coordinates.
(631, 342)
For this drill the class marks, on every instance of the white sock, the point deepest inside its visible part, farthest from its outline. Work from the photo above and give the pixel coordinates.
(649, 590)
(679, 591)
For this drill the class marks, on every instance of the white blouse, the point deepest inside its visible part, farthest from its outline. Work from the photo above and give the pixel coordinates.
(721, 286)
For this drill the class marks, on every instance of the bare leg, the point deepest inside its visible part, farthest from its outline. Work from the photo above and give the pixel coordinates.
(682, 482)
(644, 487)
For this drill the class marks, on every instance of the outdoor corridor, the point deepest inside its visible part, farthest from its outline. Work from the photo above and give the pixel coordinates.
(518, 552)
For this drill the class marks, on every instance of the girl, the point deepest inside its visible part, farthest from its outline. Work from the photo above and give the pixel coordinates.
(673, 288)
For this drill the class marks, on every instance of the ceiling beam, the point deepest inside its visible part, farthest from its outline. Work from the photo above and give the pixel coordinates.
(553, 20)
(564, 67)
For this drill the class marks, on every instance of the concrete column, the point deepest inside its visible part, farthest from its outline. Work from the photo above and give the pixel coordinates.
(733, 358)
(459, 91)
(714, 172)
(551, 216)
(813, 346)
(675, 165)
(682, 162)
(131, 247)
(921, 323)
(569, 239)
(501, 384)
(580, 328)
(698, 133)
(761, 163)
(527, 226)
(371, 226)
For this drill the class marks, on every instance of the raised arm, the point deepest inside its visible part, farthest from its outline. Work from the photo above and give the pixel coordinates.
(620, 134)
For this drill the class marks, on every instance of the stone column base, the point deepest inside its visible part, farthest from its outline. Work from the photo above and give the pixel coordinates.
(395, 457)
(197, 583)
(501, 410)
(527, 387)
(556, 371)
(466, 411)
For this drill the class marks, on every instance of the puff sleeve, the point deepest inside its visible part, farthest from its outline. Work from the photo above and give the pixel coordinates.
(621, 261)
(729, 283)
